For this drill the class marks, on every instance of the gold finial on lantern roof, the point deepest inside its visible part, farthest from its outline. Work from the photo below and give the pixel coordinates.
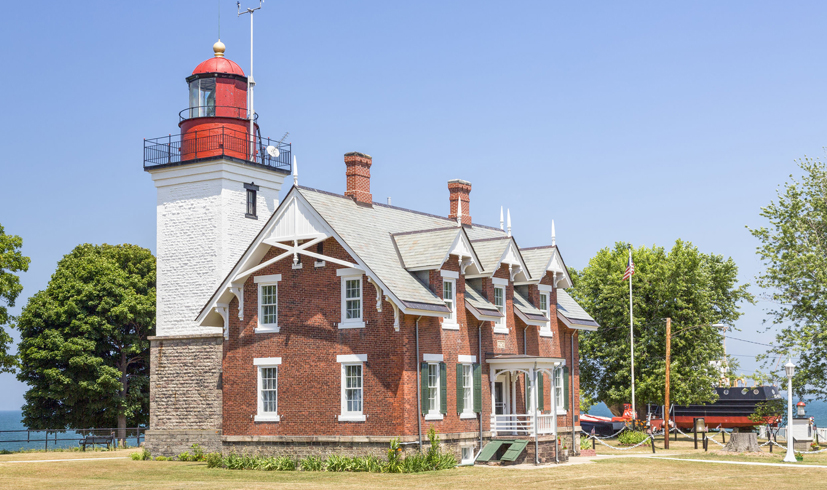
(218, 48)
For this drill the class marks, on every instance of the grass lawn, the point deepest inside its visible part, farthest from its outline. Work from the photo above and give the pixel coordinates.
(615, 473)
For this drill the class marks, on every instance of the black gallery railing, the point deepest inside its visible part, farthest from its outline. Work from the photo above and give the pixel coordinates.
(213, 143)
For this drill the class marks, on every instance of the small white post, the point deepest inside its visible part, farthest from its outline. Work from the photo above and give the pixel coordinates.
(295, 172)
(553, 235)
(509, 221)
(459, 211)
(501, 219)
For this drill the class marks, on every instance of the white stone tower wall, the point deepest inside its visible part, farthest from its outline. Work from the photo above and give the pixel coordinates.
(202, 232)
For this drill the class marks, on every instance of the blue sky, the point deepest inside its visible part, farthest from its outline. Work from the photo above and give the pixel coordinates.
(636, 121)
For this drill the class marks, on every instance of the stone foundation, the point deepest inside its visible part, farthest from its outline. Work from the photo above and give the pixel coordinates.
(546, 447)
(185, 398)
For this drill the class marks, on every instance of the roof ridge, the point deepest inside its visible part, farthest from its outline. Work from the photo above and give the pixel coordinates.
(425, 231)
(538, 248)
(383, 205)
(490, 239)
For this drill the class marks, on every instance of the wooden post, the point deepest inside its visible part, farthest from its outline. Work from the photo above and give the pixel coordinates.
(666, 393)
(695, 432)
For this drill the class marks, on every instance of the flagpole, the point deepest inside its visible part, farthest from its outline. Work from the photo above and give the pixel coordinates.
(632, 337)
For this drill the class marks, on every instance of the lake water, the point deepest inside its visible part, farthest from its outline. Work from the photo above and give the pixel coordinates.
(11, 420)
(816, 409)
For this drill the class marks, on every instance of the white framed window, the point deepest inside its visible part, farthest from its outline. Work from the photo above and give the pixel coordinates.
(545, 306)
(501, 326)
(267, 388)
(468, 389)
(467, 455)
(434, 385)
(353, 387)
(352, 301)
(558, 390)
(268, 303)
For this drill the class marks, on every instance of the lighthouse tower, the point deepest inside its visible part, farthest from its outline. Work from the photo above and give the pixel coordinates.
(217, 184)
(218, 181)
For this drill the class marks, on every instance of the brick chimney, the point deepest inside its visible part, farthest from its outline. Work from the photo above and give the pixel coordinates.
(460, 189)
(358, 176)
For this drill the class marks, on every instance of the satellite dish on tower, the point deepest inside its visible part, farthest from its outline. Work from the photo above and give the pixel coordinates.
(273, 151)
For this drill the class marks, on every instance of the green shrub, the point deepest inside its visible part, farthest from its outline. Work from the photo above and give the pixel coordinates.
(338, 463)
(162, 458)
(414, 463)
(185, 456)
(632, 437)
(312, 463)
(141, 455)
(197, 453)
(585, 443)
(394, 464)
(214, 460)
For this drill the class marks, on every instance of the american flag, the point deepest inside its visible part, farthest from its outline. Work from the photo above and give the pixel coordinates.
(630, 269)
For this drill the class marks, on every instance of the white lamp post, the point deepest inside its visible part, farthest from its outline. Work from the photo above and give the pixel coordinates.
(790, 369)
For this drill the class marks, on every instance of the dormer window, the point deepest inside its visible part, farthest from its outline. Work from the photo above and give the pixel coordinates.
(501, 326)
(545, 305)
(252, 191)
(449, 296)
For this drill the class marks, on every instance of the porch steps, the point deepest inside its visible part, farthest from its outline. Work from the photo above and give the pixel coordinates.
(513, 451)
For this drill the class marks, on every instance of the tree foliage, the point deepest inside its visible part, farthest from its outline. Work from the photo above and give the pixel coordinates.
(794, 251)
(694, 289)
(12, 262)
(84, 351)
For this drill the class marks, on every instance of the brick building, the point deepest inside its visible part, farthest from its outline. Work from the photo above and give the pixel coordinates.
(333, 323)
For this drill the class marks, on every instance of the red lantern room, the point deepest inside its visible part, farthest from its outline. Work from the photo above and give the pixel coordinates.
(216, 121)
(216, 124)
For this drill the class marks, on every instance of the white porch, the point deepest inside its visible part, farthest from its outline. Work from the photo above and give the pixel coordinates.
(507, 419)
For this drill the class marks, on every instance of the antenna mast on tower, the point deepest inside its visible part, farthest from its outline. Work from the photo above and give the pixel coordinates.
(250, 82)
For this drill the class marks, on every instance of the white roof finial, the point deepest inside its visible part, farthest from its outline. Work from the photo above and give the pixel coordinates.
(508, 213)
(295, 172)
(553, 235)
(501, 218)
(459, 211)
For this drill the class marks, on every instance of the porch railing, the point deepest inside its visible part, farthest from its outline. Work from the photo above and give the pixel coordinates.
(545, 423)
(522, 424)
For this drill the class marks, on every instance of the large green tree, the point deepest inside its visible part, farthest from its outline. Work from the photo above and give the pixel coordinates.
(694, 289)
(12, 261)
(794, 251)
(84, 351)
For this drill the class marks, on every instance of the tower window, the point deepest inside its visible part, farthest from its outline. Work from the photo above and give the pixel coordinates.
(252, 190)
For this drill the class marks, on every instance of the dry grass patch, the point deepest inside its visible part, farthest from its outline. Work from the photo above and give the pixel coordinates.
(616, 473)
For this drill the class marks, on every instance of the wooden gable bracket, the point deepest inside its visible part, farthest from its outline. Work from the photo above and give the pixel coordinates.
(513, 270)
(395, 314)
(223, 309)
(378, 295)
(238, 291)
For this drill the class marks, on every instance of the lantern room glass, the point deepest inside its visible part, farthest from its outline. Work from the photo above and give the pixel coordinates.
(202, 97)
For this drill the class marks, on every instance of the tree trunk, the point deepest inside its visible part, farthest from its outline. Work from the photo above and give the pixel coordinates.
(743, 442)
(122, 429)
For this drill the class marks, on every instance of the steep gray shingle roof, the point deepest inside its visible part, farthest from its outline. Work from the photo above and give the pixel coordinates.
(490, 251)
(425, 249)
(525, 306)
(573, 311)
(475, 299)
(537, 259)
(368, 229)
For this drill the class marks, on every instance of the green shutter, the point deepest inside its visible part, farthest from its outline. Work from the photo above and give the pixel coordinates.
(423, 380)
(540, 398)
(566, 387)
(489, 450)
(477, 388)
(514, 451)
(460, 406)
(443, 388)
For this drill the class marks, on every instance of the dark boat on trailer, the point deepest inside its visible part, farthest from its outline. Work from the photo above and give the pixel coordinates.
(732, 409)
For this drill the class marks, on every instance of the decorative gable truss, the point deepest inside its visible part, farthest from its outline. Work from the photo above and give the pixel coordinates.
(295, 220)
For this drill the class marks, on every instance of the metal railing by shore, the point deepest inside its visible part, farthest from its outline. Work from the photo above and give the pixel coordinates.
(56, 436)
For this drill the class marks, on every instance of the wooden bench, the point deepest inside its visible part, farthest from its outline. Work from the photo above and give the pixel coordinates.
(92, 440)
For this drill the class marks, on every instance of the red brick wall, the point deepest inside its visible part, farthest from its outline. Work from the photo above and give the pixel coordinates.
(309, 341)
(358, 176)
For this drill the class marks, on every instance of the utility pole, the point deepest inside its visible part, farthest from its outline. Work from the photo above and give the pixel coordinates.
(668, 361)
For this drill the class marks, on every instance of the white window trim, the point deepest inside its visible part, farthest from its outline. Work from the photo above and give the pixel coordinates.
(468, 408)
(259, 363)
(349, 274)
(463, 359)
(501, 325)
(545, 330)
(544, 288)
(498, 281)
(351, 360)
(560, 411)
(434, 360)
(270, 280)
(468, 460)
(449, 274)
(450, 323)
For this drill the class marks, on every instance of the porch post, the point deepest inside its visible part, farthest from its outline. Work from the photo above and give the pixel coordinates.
(554, 407)
(492, 374)
(534, 411)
